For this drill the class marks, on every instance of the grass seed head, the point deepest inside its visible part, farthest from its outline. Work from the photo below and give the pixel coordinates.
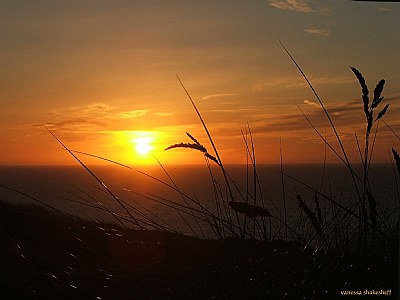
(310, 215)
(250, 211)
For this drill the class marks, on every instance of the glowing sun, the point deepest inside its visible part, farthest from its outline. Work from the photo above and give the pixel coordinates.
(143, 145)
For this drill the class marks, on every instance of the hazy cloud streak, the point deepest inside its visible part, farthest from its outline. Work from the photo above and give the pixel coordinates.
(208, 97)
(298, 82)
(320, 32)
(296, 5)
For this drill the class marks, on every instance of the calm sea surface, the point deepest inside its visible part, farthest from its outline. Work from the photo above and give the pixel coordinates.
(74, 190)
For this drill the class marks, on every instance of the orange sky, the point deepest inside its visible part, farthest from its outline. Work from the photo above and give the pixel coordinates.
(102, 74)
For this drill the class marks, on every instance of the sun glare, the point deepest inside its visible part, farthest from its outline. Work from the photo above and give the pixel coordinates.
(143, 145)
(139, 146)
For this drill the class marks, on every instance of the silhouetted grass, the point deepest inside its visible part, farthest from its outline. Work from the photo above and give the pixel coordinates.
(332, 246)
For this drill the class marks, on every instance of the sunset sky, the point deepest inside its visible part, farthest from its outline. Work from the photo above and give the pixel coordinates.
(102, 76)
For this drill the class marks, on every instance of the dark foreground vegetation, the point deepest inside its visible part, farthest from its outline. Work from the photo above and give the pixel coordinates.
(46, 255)
(337, 250)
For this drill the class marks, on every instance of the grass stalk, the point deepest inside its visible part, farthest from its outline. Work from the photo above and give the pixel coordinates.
(340, 206)
(215, 150)
(283, 187)
(345, 158)
(183, 198)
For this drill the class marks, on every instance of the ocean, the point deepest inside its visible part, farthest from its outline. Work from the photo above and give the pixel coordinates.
(75, 191)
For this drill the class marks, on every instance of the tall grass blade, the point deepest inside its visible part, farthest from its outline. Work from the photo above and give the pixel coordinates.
(344, 208)
(391, 129)
(218, 158)
(149, 176)
(283, 186)
(192, 138)
(346, 159)
(183, 198)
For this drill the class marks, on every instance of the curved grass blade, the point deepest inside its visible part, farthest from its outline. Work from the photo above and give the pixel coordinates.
(99, 181)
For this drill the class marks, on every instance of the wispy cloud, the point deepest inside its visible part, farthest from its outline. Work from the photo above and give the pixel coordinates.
(76, 126)
(97, 109)
(298, 82)
(384, 9)
(164, 114)
(92, 118)
(393, 98)
(348, 117)
(296, 5)
(311, 103)
(131, 114)
(213, 96)
(318, 31)
(234, 110)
